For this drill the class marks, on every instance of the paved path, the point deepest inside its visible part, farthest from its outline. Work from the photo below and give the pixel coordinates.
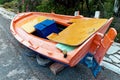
(112, 58)
(15, 65)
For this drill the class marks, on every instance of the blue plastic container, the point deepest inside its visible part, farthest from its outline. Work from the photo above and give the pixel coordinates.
(46, 27)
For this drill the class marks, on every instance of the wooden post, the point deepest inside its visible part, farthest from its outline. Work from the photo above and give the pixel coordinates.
(56, 68)
(97, 14)
(76, 13)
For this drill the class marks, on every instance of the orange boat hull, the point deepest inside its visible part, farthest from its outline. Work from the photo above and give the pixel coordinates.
(48, 48)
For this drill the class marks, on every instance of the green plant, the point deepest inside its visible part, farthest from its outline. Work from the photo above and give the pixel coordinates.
(28, 5)
(52, 6)
(4, 1)
(11, 5)
(1, 1)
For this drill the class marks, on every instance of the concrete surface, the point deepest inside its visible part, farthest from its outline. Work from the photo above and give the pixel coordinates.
(15, 65)
(112, 58)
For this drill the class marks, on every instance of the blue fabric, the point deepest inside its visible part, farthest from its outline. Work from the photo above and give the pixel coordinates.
(91, 63)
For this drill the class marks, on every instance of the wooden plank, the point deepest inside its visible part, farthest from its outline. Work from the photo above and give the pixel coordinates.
(56, 68)
(78, 32)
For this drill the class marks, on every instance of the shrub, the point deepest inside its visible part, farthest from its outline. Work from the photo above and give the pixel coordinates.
(28, 5)
(11, 5)
(52, 6)
(4, 1)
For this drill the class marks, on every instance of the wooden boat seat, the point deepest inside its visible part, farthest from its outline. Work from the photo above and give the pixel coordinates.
(78, 32)
(29, 26)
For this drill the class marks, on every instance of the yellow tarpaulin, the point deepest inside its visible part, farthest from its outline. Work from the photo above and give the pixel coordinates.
(78, 32)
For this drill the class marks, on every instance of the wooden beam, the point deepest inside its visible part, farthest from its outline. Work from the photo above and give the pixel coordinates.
(56, 68)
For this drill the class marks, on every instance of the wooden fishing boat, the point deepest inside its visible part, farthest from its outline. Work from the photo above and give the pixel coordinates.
(22, 29)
